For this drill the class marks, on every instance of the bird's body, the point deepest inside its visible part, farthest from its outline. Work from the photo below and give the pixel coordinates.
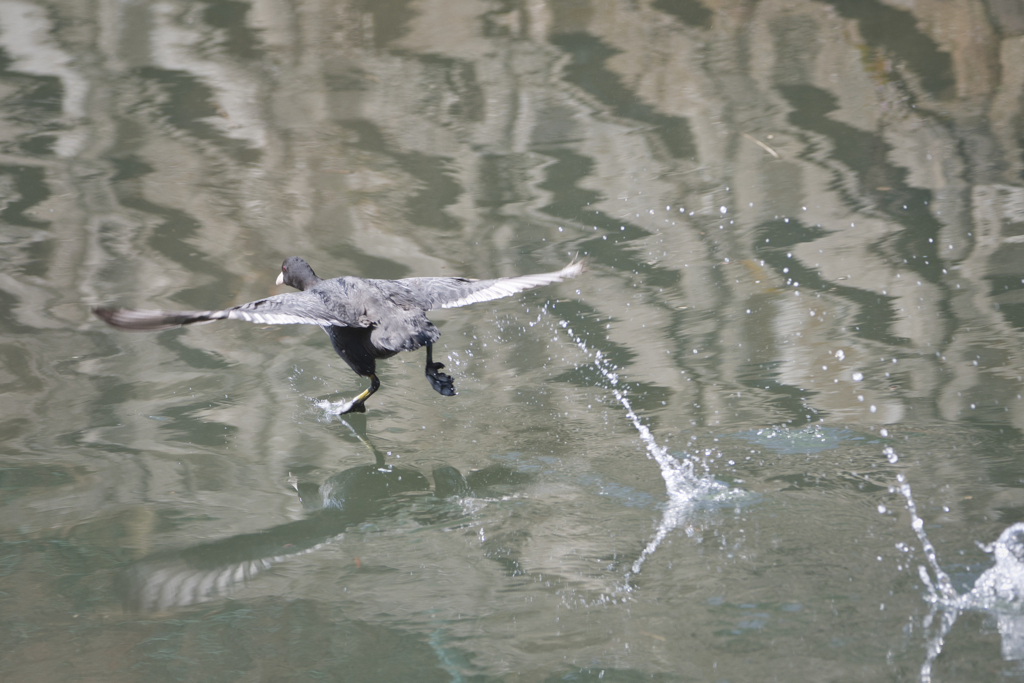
(366, 320)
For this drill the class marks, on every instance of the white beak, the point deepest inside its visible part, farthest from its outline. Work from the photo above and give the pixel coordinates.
(280, 279)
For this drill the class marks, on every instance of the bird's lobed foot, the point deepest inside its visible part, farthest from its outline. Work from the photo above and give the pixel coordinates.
(442, 383)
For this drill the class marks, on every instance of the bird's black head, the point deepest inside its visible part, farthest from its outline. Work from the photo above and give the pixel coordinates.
(296, 273)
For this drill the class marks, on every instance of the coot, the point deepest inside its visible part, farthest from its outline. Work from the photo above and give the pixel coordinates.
(365, 319)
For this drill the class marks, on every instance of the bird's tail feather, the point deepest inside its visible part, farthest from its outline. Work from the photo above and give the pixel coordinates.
(149, 321)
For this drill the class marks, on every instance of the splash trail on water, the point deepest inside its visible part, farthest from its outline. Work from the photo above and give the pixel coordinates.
(999, 591)
(682, 484)
(684, 487)
(940, 591)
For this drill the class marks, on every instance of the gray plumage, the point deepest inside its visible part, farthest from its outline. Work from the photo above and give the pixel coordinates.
(365, 319)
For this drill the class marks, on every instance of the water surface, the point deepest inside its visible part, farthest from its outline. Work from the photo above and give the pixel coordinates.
(804, 230)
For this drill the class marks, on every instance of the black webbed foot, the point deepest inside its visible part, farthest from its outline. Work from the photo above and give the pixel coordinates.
(442, 383)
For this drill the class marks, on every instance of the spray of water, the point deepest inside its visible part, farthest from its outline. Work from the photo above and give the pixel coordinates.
(682, 484)
(941, 593)
(998, 591)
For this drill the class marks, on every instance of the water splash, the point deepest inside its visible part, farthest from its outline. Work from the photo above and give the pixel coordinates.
(683, 485)
(331, 407)
(998, 591)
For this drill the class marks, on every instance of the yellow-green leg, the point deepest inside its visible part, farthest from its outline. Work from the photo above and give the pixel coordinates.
(357, 405)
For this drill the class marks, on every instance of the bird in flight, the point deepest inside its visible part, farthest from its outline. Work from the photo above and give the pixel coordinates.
(366, 320)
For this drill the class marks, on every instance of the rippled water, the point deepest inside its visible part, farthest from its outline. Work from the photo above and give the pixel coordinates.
(773, 432)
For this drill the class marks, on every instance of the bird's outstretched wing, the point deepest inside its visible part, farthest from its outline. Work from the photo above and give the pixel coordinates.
(452, 292)
(404, 331)
(303, 308)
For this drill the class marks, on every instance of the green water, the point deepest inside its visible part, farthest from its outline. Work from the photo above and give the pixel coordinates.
(804, 232)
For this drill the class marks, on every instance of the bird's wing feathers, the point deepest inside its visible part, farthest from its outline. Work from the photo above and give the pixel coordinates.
(451, 292)
(406, 332)
(304, 308)
(350, 302)
(301, 308)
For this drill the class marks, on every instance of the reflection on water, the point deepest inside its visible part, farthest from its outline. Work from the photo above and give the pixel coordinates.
(167, 580)
(804, 222)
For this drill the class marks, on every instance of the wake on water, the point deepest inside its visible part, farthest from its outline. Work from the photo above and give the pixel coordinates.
(683, 485)
(999, 590)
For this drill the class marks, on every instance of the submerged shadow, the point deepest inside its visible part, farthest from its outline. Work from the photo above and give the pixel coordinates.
(178, 578)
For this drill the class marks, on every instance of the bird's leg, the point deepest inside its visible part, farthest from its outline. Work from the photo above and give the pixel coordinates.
(356, 405)
(442, 383)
